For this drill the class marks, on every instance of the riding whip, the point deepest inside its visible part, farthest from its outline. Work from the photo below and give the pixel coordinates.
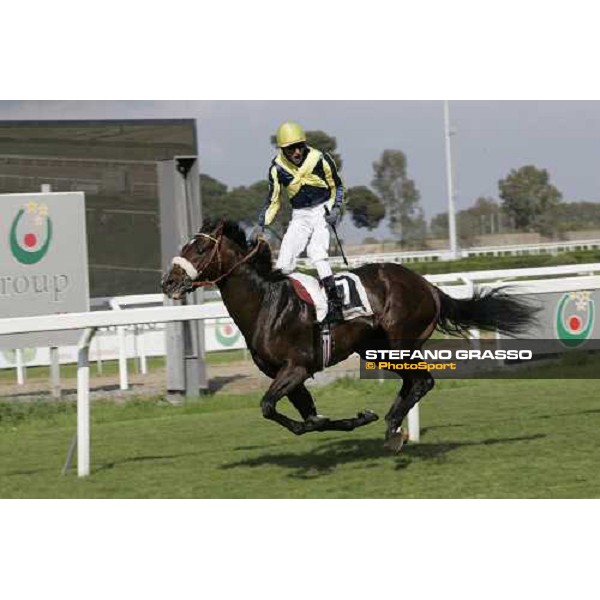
(337, 238)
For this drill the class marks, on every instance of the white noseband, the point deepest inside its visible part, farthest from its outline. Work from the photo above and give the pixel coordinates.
(187, 266)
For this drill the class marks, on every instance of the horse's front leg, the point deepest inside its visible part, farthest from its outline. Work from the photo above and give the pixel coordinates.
(288, 379)
(289, 382)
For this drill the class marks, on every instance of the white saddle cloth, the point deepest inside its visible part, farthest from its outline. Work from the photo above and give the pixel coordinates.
(350, 288)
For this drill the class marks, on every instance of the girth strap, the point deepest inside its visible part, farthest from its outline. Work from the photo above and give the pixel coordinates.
(326, 344)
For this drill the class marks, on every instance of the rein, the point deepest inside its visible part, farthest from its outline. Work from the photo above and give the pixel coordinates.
(217, 242)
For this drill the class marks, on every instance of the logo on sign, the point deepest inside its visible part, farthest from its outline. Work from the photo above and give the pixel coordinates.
(574, 320)
(226, 333)
(10, 356)
(31, 233)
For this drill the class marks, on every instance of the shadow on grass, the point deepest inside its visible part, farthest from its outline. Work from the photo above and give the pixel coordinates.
(558, 415)
(137, 459)
(68, 393)
(438, 451)
(101, 467)
(215, 384)
(330, 455)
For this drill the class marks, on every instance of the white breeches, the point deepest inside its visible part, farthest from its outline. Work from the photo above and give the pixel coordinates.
(308, 226)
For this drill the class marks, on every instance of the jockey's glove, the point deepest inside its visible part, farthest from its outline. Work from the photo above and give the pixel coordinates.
(256, 233)
(333, 216)
(262, 218)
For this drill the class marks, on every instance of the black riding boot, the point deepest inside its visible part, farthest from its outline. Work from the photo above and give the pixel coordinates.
(334, 302)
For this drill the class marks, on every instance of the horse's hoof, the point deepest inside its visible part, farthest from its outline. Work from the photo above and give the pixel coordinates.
(368, 416)
(396, 440)
(315, 422)
(317, 418)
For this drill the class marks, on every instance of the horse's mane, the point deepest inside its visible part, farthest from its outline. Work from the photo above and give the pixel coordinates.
(262, 261)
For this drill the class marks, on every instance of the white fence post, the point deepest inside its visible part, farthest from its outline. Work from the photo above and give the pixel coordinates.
(141, 349)
(414, 426)
(123, 379)
(475, 335)
(20, 367)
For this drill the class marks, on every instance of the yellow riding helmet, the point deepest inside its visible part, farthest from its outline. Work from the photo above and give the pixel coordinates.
(290, 133)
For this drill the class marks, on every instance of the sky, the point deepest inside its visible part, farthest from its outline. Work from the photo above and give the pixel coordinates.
(489, 139)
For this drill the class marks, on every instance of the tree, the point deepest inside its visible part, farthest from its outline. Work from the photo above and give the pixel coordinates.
(244, 203)
(531, 200)
(484, 217)
(321, 141)
(365, 207)
(438, 227)
(399, 195)
(241, 204)
(213, 193)
(580, 215)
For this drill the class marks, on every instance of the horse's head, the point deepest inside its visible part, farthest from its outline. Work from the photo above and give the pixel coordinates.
(198, 263)
(217, 249)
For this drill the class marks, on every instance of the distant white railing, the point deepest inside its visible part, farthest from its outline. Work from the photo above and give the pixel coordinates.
(442, 255)
(513, 274)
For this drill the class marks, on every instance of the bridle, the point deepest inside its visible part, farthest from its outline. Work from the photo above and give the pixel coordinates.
(215, 253)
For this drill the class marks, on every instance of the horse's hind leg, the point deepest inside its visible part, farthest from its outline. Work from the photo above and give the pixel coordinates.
(414, 387)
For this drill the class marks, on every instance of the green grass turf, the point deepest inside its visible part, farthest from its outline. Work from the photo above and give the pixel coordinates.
(480, 439)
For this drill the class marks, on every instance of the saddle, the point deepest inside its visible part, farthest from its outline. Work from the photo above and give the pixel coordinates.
(355, 302)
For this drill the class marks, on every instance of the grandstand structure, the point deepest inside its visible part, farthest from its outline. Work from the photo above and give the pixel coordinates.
(115, 164)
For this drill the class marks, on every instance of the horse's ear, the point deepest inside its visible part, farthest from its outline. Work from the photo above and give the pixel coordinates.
(218, 231)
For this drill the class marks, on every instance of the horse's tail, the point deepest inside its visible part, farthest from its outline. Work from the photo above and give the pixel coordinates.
(489, 309)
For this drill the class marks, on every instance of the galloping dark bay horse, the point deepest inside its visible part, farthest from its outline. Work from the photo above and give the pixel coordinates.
(283, 336)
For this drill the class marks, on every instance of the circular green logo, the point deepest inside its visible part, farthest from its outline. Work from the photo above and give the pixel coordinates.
(31, 233)
(226, 332)
(10, 356)
(574, 321)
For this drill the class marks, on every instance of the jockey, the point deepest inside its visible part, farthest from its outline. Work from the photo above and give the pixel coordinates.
(316, 193)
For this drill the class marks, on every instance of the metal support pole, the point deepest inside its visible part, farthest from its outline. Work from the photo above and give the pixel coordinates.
(54, 373)
(98, 355)
(181, 218)
(451, 193)
(83, 403)
(46, 188)
(70, 453)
